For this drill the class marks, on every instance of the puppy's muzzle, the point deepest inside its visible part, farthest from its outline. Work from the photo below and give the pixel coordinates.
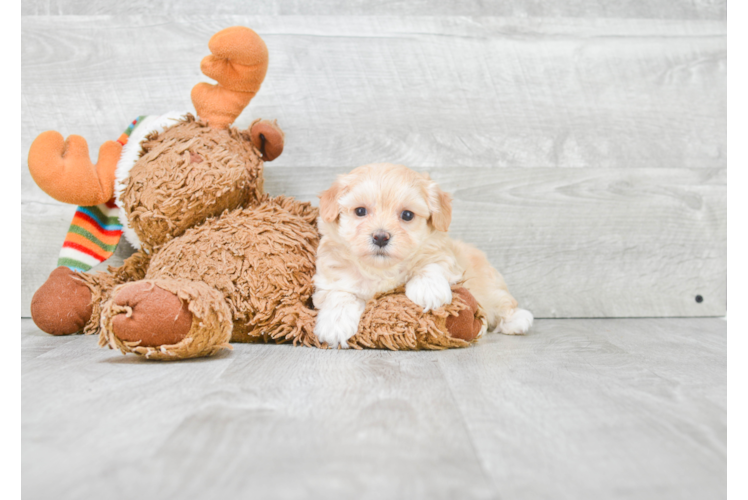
(381, 238)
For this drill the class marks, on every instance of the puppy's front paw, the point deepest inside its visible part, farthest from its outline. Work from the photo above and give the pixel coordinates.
(517, 323)
(430, 291)
(336, 324)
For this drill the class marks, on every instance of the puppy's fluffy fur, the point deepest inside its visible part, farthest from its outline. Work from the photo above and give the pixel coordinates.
(377, 200)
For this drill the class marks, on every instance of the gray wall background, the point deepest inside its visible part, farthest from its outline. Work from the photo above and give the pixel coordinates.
(584, 142)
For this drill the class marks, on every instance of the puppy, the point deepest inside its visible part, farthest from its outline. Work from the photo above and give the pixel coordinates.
(384, 225)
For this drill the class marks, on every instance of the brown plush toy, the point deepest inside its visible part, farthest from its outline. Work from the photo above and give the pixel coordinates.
(218, 260)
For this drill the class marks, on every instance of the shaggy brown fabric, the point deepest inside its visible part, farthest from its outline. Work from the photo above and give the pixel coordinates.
(303, 210)
(260, 259)
(392, 321)
(209, 333)
(154, 316)
(62, 305)
(132, 269)
(167, 193)
(100, 286)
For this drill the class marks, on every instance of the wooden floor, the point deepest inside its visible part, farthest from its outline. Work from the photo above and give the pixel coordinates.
(615, 408)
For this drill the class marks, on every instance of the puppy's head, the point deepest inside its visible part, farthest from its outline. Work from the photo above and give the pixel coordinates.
(383, 213)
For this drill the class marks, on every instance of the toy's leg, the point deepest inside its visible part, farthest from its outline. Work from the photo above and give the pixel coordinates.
(166, 319)
(62, 305)
(292, 323)
(392, 321)
(134, 268)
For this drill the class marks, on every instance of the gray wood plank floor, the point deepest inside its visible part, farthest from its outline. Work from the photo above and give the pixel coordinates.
(631, 408)
(586, 153)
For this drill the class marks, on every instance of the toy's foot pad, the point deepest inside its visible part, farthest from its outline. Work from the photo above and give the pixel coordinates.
(466, 325)
(150, 315)
(62, 305)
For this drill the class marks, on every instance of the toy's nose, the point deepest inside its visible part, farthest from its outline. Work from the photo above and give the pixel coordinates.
(381, 238)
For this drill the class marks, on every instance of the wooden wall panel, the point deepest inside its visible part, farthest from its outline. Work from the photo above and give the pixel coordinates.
(425, 92)
(585, 242)
(587, 156)
(643, 9)
(570, 242)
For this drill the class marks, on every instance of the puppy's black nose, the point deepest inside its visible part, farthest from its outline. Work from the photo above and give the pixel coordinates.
(381, 239)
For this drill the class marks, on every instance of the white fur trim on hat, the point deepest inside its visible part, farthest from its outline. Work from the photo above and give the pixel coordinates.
(128, 158)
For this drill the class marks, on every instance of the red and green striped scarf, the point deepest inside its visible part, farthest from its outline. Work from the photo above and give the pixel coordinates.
(95, 231)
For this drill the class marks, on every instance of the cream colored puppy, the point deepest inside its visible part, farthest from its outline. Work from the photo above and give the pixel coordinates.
(384, 225)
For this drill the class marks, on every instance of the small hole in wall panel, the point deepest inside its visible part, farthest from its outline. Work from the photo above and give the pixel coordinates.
(699, 299)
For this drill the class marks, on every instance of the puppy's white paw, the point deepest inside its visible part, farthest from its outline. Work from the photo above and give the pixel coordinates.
(430, 291)
(517, 323)
(338, 322)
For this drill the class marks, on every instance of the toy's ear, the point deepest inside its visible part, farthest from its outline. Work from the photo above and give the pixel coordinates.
(268, 138)
(440, 206)
(329, 208)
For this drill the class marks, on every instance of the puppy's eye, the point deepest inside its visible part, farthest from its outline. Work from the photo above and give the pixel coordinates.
(360, 211)
(407, 215)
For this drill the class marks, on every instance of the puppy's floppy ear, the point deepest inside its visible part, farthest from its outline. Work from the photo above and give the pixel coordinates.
(329, 209)
(440, 206)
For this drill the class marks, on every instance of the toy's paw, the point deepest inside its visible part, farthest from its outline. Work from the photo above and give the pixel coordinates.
(429, 290)
(62, 305)
(466, 325)
(339, 322)
(517, 323)
(151, 315)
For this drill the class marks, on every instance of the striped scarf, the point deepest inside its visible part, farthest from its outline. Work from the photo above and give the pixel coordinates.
(95, 231)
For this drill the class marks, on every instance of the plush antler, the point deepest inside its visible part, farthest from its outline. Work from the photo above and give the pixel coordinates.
(239, 63)
(63, 169)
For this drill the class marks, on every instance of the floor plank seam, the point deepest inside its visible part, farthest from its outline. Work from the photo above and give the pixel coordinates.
(478, 456)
